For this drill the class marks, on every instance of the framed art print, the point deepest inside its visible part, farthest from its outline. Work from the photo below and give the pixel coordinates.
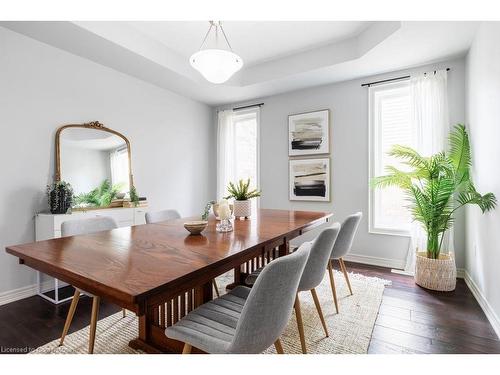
(308, 133)
(310, 180)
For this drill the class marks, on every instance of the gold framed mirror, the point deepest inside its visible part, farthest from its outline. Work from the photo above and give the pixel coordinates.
(92, 157)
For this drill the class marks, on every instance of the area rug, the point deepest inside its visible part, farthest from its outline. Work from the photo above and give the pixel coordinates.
(350, 330)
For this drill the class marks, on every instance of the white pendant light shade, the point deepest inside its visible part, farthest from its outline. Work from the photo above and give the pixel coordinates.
(216, 65)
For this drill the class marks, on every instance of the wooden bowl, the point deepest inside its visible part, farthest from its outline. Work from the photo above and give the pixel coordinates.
(195, 227)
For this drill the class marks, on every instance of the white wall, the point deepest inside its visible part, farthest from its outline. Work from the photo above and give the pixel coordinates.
(348, 103)
(42, 88)
(483, 120)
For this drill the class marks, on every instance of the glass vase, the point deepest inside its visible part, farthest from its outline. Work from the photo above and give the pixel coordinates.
(224, 226)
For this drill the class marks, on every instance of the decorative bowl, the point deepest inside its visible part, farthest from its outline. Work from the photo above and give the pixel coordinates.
(195, 227)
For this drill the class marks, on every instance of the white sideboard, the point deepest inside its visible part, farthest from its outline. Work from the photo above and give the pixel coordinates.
(48, 226)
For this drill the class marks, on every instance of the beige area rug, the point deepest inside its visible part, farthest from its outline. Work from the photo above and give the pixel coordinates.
(350, 330)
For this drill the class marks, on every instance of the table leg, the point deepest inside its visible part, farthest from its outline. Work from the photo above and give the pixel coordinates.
(203, 294)
(284, 248)
(237, 275)
(152, 337)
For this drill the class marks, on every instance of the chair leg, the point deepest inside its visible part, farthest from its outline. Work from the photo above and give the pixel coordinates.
(187, 349)
(332, 284)
(71, 313)
(346, 275)
(320, 312)
(216, 288)
(300, 324)
(124, 312)
(279, 347)
(93, 322)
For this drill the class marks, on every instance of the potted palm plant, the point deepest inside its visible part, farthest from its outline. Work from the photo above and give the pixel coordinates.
(436, 188)
(242, 194)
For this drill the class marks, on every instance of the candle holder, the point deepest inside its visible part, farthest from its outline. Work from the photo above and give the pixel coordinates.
(224, 226)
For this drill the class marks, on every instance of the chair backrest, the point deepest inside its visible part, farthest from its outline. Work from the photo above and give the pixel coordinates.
(86, 226)
(269, 305)
(155, 217)
(346, 236)
(319, 256)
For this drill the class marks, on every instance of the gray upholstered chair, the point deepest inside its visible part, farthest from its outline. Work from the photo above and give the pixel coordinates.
(341, 248)
(164, 215)
(73, 228)
(314, 272)
(245, 320)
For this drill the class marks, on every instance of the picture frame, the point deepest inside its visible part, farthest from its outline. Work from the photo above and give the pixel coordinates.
(309, 133)
(309, 180)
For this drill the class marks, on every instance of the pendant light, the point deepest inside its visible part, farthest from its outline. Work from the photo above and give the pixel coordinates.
(216, 65)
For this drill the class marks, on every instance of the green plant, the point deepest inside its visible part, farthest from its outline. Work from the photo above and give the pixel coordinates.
(101, 196)
(134, 197)
(437, 186)
(241, 191)
(206, 211)
(59, 196)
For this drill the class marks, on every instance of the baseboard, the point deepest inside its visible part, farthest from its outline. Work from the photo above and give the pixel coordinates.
(375, 261)
(24, 292)
(483, 302)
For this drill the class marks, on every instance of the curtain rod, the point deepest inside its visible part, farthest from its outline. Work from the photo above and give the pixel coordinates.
(248, 106)
(391, 79)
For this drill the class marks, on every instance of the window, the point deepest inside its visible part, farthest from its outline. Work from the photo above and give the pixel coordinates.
(390, 124)
(119, 168)
(237, 148)
(246, 156)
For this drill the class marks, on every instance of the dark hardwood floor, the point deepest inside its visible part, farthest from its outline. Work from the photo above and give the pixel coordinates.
(411, 319)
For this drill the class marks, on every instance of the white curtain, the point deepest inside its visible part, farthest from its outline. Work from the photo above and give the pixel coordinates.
(225, 152)
(430, 119)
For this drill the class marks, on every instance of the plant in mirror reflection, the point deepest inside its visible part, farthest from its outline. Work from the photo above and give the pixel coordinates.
(101, 196)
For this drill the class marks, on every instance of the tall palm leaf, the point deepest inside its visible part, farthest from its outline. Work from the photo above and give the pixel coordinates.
(437, 186)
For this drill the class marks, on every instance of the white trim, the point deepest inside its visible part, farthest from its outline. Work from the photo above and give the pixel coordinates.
(371, 160)
(376, 261)
(390, 232)
(483, 302)
(24, 292)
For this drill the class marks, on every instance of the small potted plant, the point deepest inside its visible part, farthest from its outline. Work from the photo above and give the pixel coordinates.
(242, 194)
(436, 187)
(60, 197)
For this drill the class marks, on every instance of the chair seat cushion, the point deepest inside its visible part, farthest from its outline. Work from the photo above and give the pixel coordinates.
(250, 279)
(211, 326)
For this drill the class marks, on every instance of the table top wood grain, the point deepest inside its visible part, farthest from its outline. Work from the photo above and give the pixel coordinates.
(128, 264)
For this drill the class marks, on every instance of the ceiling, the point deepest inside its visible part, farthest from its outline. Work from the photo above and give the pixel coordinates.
(255, 42)
(279, 56)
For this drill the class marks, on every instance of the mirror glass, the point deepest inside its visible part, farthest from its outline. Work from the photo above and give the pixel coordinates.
(96, 163)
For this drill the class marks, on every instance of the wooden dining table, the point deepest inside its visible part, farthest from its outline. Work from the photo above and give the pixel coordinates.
(159, 271)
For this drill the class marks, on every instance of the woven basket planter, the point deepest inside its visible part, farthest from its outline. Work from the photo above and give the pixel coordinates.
(436, 274)
(242, 208)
